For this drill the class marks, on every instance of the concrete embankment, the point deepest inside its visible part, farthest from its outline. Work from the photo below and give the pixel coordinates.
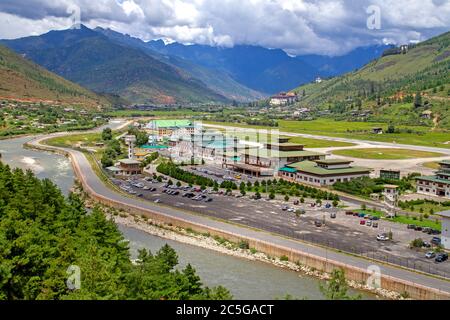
(358, 275)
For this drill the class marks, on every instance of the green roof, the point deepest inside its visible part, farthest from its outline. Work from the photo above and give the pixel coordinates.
(172, 123)
(334, 161)
(433, 179)
(267, 153)
(313, 168)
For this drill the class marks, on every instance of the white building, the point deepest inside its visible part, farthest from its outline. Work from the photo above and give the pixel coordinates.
(437, 185)
(283, 98)
(445, 236)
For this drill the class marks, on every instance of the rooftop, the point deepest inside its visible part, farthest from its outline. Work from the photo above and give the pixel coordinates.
(312, 167)
(267, 153)
(129, 161)
(334, 161)
(170, 123)
(433, 179)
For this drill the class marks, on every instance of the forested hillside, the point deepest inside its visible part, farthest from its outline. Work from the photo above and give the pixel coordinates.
(42, 234)
(22, 79)
(402, 83)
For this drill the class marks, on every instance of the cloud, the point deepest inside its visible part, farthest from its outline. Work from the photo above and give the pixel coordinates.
(297, 26)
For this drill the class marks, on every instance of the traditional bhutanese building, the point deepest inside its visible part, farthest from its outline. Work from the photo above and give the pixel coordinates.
(322, 172)
(274, 155)
(437, 185)
(283, 98)
(165, 128)
(126, 167)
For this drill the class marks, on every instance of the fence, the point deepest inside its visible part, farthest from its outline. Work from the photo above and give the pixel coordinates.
(410, 263)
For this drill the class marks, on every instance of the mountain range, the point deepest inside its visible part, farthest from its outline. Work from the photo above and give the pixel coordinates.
(153, 72)
(21, 79)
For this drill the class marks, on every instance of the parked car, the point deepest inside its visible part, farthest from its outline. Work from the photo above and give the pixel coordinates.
(426, 244)
(383, 237)
(153, 189)
(362, 222)
(369, 223)
(333, 215)
(157, 201)
(296, 203)
(411, 226)
(441, 257)
(349, 213)
(284, 208)
(426, 230)
(375, 218)
(355, 214)
(430, 255)
(318, 223)
(291, 210)
(209, 200)
(374, 224)
(418, 228)
(436, 241)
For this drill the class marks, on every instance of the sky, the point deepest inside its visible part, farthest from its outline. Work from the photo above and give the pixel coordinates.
(326, 27)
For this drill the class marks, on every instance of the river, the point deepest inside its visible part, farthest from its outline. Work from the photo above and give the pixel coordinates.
(245, 279)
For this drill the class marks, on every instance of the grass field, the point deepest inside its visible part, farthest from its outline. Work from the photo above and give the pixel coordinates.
(405, 220)
(87, 139)
(159, 114)
(431, 165)
(420, 136)
(386, 153)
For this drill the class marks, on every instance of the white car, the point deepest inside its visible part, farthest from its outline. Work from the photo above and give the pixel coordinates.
(383, 237)
(291, 210)
(157, 201)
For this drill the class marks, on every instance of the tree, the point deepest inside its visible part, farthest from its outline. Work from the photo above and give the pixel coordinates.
(272, 196)
(286, 198)
(107, 134)
(106, 161)
(417, 100)
(336, 287)
(335, 203)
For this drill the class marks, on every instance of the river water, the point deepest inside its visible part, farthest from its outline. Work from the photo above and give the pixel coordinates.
(245, 279)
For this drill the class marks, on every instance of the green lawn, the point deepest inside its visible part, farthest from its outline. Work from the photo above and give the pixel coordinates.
(360, 131)
(160, 114)
(386, 153)
(431, 165)
(405, 220)
(87, 139)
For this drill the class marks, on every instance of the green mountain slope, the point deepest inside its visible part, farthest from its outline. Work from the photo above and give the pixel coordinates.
(21, 79)
(94, 61)
(391, 82)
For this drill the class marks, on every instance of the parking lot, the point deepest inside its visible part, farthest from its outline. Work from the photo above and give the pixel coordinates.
(344, 232)
(219, 174)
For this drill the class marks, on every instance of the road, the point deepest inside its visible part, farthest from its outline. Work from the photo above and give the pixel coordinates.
(95, 184)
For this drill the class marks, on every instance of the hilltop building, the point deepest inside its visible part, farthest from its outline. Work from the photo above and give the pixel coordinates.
(437, 185)
(322, 172)
(283, 98)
